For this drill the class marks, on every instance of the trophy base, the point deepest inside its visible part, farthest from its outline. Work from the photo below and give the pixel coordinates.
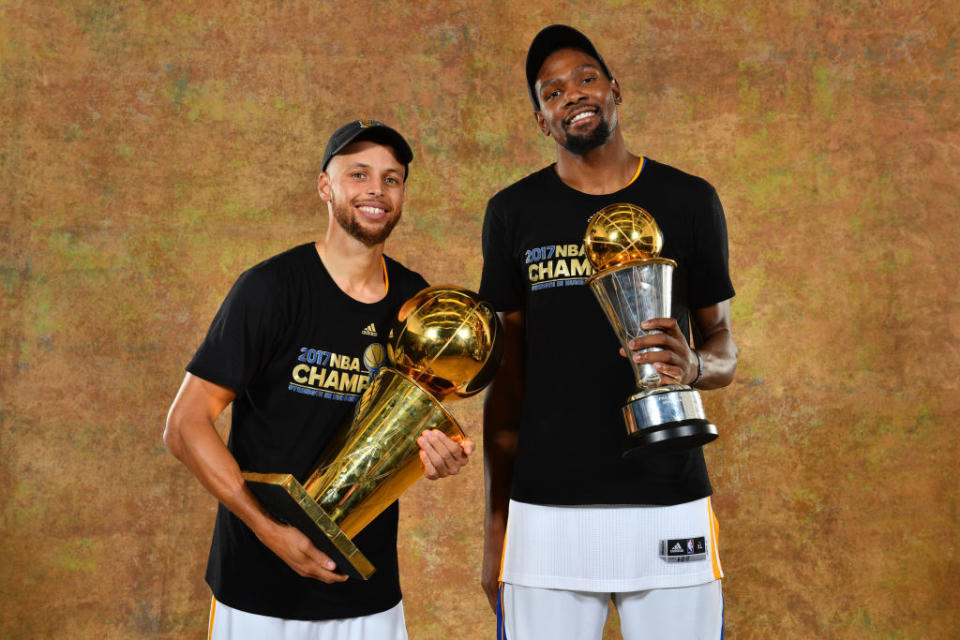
(666, 419)
(670, 437)
(286, 500)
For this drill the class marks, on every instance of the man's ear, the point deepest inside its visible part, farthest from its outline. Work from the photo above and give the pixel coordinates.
(323, 186)
(541, 123)
(615, 88)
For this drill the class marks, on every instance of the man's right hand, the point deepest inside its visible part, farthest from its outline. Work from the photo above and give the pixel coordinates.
(296, 549)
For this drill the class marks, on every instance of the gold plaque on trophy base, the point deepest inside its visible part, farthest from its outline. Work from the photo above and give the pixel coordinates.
(286, 500)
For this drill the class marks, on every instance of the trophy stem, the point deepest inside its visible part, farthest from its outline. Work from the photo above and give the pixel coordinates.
(376, 457)
(631, 294)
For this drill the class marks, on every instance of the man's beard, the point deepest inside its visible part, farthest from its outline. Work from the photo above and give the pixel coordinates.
(350, 224)
(581, 144)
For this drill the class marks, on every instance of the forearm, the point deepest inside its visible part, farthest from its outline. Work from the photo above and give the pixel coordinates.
(191, 436)
(501, 421)
(715, 345)
(499, 453)
(719, 355)
(204, 454)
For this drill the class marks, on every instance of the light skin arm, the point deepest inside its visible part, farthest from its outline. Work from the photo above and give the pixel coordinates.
(501, 424)
(190, 435)
(677, 363)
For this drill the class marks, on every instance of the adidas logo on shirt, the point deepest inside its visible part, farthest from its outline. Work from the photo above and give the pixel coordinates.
(371, 330)
(683, 549)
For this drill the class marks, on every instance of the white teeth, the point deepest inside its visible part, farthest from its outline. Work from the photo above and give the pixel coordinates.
(372, 210)
(581, 116)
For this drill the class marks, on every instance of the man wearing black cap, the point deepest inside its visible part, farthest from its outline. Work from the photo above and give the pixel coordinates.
(293, 346)
(584, 524)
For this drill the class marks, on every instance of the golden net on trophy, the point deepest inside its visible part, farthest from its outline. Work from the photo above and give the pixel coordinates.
(445, 343)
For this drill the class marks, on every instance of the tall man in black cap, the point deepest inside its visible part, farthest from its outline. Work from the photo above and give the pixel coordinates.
(585, 525)
(293, 346)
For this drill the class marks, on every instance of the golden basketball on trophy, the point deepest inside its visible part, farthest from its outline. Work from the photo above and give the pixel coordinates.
(445, 343)
(448, 340)
(634, 284)
(620, 234)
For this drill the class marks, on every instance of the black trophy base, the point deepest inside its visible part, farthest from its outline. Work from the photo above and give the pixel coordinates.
(286, 500)
(669, 438)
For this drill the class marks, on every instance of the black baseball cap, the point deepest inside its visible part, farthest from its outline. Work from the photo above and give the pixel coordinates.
(374, 130)
(556, 36)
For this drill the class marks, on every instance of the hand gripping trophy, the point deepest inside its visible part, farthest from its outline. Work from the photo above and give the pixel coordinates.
(633, 284)
(444, 344)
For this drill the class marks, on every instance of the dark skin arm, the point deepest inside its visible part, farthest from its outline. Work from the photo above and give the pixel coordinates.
(677, 363)
(501, 424)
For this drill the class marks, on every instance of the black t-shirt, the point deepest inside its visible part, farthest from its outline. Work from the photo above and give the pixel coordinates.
(297, 351)
(572, 430)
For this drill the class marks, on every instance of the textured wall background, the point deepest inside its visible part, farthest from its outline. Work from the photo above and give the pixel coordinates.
(151, 151)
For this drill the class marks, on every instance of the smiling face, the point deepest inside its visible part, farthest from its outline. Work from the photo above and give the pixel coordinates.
(363, 185)
(577, 101)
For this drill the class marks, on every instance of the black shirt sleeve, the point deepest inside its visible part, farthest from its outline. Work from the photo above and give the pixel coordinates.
(710, 275)
(499, 283)
(237, 344)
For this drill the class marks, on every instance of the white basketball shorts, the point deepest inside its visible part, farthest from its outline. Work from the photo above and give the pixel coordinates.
(227, 623)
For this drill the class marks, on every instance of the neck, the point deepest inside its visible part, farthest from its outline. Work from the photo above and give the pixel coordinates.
(356, 268)
(603, 170)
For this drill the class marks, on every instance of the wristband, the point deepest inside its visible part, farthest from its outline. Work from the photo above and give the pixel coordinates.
(699, 368)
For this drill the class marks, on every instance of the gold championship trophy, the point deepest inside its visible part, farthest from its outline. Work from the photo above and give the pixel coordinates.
(633, 284)
(445, 343)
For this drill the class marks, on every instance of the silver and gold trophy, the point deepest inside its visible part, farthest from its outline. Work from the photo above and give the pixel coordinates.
(444, 343)
(634, 284)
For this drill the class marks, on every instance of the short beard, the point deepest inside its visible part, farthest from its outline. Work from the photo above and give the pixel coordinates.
(341, 214)
(581, 145)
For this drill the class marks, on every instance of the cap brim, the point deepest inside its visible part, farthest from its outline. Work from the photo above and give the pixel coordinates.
(388, 136)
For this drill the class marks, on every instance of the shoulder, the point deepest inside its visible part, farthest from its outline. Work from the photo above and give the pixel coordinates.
(276, 272)
(282, 264)
(672, 177)
(522, 189)
(404, 278)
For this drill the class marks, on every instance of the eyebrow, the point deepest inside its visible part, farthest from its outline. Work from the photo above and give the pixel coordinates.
(553, 81)
(364, 165)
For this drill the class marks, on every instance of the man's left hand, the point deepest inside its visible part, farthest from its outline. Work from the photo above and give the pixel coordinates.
(677, 363)
(442, 456)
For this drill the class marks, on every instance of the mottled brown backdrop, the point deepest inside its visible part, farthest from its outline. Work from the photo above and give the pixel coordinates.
(150, 151)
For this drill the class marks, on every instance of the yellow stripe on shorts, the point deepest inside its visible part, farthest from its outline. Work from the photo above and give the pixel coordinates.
(213, 611)
(714, 541)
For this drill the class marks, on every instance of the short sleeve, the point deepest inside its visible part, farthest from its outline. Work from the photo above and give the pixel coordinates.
(710, 277)
(236, 346)
(499, 282)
